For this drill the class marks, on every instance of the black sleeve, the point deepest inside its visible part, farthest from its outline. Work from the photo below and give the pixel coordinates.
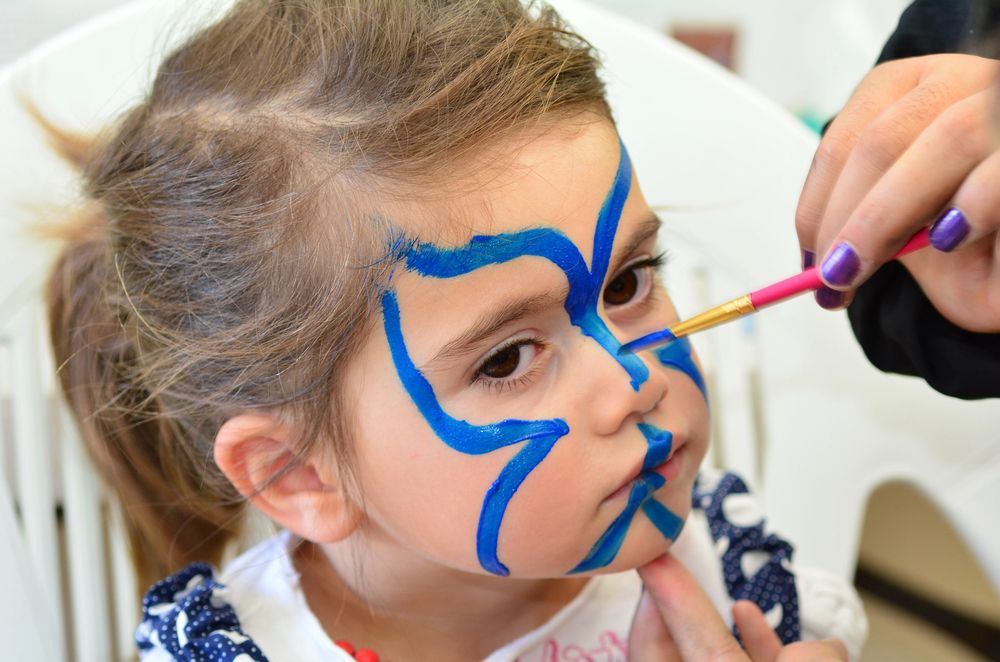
(930, 26)
(898, 327)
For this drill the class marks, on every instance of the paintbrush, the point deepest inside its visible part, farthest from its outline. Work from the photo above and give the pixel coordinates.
(750, 303)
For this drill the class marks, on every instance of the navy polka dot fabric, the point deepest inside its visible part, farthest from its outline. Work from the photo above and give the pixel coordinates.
(756, 565)
(184, 616)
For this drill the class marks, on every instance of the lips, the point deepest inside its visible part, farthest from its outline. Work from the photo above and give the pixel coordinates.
(668, 469)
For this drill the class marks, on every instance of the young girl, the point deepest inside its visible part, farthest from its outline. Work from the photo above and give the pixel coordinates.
(368, 266)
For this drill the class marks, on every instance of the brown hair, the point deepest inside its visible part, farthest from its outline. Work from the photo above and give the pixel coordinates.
(218, 263)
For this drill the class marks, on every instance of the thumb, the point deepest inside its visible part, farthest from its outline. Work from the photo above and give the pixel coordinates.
(692, 620)
(760, 640)
(649, 640)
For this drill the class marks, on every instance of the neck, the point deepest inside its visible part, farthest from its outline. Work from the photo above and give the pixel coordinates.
(406, 607)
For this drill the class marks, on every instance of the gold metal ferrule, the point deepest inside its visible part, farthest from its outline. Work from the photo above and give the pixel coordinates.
(730, 310)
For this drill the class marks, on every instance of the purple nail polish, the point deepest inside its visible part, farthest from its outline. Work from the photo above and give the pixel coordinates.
(949, 230)
(808, 259)
(829, 299)
(841, 265)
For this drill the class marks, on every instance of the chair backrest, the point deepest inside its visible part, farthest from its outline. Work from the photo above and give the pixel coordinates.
(795, 406)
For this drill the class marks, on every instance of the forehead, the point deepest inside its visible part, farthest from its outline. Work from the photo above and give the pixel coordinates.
(558, 179)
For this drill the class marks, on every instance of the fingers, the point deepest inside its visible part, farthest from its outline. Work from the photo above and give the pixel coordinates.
(975, 210)
(877, 92)
(759, 640)
(763, 645)
(909, 194)
(881, 145)
(896, 156)
(837, 648)
(693, 623)
(649, 639)
(827, 650)
(693, 630)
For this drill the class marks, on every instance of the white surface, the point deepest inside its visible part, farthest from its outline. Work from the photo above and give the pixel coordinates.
(803, 55)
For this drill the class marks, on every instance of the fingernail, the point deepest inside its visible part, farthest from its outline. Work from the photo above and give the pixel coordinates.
(829, 299)
(841, 265)
(949, 230)
(808, 259)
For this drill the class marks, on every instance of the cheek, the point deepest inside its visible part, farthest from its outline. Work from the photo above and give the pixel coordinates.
(558, 513)
(424, 494)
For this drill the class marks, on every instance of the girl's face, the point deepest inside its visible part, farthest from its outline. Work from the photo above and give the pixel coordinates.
(498, 429)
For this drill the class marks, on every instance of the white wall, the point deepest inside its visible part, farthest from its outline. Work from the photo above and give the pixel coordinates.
(805, 54)
(26, 23)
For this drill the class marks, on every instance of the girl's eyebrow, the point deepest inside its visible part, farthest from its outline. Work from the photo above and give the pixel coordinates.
(644, 230)
(487, 324)
(516, 309)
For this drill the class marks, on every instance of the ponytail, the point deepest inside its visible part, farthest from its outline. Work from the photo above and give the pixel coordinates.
(170, 521)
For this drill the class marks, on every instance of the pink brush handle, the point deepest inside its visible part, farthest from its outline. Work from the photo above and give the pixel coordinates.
(810, 280)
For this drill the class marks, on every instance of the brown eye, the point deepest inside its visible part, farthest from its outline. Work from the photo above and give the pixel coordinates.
(622, 289)
(502, 364)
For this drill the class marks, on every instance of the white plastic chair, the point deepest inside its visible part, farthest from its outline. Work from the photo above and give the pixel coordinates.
(796, 407)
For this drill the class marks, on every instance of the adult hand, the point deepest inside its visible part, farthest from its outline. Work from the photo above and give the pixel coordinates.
(917, 141)
(676, 621)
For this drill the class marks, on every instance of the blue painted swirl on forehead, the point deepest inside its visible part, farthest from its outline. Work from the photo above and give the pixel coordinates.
(585, 284)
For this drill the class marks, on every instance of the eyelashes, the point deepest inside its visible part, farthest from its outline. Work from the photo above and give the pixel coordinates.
(632, 285)
(511, 365)
(517, 362)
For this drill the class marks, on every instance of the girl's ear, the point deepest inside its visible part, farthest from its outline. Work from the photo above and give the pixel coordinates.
(308, 498)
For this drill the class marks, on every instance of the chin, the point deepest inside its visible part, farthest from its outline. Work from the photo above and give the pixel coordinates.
(643, 544)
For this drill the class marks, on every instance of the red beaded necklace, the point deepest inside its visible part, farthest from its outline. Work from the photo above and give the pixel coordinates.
(360, 654)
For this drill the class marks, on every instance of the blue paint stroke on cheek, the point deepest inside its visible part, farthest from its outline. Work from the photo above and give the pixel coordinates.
(474, 439)
(677, 355)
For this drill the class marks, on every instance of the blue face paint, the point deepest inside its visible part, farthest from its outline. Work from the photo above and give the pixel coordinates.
(585, 289)
(474, 439)
(659, 443)
(677, 355)
(668, 523)
(606, 548)
(585, 285)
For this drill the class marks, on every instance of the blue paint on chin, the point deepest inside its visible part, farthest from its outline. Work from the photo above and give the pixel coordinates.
(677, 355)
(659, 442)
(606, 548)
(664, 519)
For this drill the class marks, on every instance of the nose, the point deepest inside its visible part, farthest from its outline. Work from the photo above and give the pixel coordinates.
(609, 400)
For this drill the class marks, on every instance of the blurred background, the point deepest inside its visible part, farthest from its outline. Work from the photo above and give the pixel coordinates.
(926, 597)
(807, 55)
